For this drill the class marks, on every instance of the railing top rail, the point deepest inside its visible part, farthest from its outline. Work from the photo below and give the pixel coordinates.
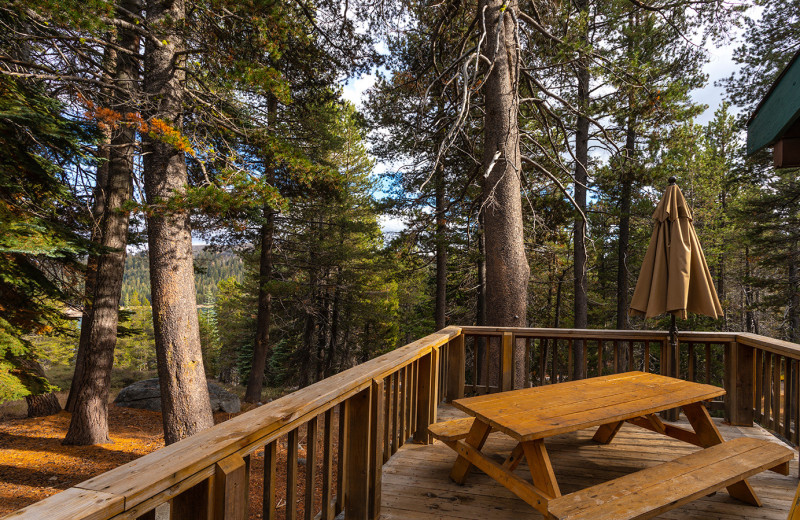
(156, 472)
(707, 336)
(566, 333)
(598, 334)
(777, 346)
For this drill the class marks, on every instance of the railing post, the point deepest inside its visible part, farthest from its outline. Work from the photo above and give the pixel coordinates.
(356, 506)
(426, 393)
(738, 381)
(231, 489)
(508, 363)
(456, 368)
(376, 449)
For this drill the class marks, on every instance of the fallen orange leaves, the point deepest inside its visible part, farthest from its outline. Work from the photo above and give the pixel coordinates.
(35, 465)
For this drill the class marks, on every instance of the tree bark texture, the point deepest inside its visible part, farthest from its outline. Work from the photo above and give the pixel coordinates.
(264, 317)
(722, 256)
(480, 311)
(308, 353)
(623, 242)
(40, 404)
(579, 228)
(750, 319)
(184, 395)
(330, 352)
(89, 421)
(441, 251)
(793, 314)
(507, 269)
(98, 209)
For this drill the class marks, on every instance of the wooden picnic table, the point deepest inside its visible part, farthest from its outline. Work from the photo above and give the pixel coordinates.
(531, 415)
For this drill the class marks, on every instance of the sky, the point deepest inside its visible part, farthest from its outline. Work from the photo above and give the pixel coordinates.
(720, 66)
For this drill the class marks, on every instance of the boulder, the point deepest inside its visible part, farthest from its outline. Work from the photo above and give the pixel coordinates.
(146, 394)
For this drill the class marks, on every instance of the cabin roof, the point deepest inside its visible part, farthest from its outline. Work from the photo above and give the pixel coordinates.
(778, 110)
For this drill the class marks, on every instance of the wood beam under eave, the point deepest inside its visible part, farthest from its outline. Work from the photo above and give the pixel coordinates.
(787, 153)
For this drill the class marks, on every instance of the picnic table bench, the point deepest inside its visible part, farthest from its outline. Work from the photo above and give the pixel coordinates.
(533, 414)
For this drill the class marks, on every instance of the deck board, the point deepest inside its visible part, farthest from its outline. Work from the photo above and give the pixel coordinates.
(416, 483)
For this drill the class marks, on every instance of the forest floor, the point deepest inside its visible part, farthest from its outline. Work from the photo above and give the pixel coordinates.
(34, 464)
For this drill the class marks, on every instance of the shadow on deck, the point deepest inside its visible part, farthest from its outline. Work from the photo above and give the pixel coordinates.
(416, 484)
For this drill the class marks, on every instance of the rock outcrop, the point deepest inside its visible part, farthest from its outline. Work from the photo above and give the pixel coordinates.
(146, 394)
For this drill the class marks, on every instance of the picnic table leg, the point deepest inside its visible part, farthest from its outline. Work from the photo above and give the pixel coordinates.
(514, 459)
(475, 438)
(541, 469)
(708, 435)
(605, 434)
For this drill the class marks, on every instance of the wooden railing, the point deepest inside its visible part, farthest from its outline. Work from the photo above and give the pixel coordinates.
(367, 413)
(350, 424)
(773, 382)
(547, 355)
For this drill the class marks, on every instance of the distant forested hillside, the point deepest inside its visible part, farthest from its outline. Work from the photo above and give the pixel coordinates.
(209, 269)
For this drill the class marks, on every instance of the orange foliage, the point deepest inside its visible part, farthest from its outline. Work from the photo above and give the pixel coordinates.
(108, 119)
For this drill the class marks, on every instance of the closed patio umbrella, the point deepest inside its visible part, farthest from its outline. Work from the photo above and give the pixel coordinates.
(674, 277)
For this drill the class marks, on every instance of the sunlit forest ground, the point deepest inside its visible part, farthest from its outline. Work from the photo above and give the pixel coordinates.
(35, 465)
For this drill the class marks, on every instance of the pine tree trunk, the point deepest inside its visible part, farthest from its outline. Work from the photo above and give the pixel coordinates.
(480, 312)
(264, 317)
(39, 404)
(579, 227)
(481, 344)
(559, 292)
(750, 322)
(330, 353)
(184, 394)
(441, 252)
(42, 405)
(625, 227)
(98, 210)
(793, 314)
(507, 269)
(89, 421)
(722, 257)
(324, 336)
(306, 362)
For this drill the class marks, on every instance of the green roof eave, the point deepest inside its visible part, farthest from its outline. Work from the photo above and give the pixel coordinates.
(779, 109)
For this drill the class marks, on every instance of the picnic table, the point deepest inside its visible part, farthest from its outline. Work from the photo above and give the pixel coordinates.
(531, 415)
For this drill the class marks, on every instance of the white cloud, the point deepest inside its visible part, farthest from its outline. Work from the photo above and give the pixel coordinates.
(391, 224)
(354, 88)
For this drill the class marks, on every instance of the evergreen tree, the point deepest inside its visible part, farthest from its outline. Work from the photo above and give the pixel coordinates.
(39, 241)
(770, 41)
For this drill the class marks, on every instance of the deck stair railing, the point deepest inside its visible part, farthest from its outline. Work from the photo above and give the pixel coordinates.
(333, 437)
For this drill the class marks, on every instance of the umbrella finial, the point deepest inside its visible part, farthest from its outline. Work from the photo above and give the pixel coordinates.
(672, 180)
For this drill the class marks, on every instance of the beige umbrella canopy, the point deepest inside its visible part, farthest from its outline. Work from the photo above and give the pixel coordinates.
(674, 276)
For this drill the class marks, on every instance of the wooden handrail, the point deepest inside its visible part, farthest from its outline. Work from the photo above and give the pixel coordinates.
(174, 468)
(777, 346)
(398, 392)
(636, 335)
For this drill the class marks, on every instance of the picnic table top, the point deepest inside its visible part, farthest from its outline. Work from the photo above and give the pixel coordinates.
(540, 412)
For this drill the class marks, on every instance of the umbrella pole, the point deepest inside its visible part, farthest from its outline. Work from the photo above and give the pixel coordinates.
(673, 364)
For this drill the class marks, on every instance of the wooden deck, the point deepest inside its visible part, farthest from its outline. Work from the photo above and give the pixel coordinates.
(416, 483)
